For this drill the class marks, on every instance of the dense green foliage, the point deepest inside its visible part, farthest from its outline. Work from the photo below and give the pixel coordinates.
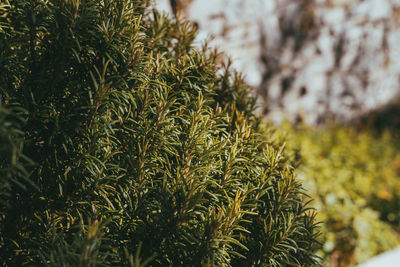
(122, 145)
(354, 177)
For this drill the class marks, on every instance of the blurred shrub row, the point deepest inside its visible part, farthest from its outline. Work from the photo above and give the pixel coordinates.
(354, 177)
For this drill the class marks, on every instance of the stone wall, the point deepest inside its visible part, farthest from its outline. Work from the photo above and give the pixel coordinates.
(310, 60)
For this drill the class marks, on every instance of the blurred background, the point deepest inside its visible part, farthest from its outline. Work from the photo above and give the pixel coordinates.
(328, 71)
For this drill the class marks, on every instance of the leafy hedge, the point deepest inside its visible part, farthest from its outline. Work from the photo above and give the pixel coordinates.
(354, 177)
(124, 146)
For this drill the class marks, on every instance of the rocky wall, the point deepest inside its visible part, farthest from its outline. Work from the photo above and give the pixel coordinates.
(310, 60)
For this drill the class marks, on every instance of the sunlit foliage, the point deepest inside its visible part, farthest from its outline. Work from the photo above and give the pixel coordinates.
(354, 177)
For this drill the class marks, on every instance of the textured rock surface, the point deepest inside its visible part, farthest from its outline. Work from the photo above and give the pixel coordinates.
(311, 59)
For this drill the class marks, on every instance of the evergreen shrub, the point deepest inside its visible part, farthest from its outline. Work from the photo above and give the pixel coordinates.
(121, 145)
(353, 176)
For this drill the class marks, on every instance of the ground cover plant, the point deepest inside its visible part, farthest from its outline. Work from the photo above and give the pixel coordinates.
(353, 174)
(121, 145)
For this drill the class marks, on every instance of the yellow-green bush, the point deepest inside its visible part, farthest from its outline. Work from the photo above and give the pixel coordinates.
(354, 177)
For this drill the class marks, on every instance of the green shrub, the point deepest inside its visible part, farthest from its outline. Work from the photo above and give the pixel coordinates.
(13, 163)
(145, 150)
(354, 177)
